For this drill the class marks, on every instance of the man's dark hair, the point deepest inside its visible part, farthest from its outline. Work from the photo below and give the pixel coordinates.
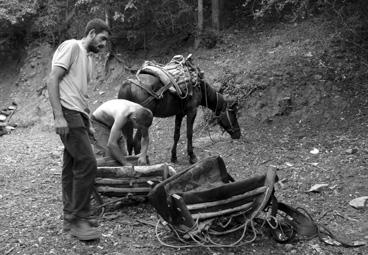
(143, 116)
(98, 25)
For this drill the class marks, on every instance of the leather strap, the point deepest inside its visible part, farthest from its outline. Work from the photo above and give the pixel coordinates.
(304, 225)
(149, 91)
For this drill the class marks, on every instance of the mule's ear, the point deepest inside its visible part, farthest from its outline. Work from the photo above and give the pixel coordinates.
(212, 122)
(230, 100)
(234, 104)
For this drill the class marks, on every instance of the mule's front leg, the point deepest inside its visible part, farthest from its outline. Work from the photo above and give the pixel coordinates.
(178, 119)
(128, 133)
(137, 142)
(190, 121)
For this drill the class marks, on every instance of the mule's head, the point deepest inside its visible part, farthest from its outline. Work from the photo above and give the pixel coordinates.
(227, 119)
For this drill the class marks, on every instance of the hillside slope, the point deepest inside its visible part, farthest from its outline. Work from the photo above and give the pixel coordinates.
(298, 66)
(299, 90)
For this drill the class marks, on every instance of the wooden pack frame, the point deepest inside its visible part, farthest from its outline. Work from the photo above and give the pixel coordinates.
(206, 190)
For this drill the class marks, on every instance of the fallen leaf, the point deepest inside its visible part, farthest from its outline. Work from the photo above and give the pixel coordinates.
(316, 247)
(317, 187)
(309, 54)
(330, 241)
(314, 151)
(351, 151)
(359, 243)
(359, 202)
(333, 186)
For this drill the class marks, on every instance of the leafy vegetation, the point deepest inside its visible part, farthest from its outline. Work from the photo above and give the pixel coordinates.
(136, 24)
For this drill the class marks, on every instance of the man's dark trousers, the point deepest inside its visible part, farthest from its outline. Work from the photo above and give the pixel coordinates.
(79, 166)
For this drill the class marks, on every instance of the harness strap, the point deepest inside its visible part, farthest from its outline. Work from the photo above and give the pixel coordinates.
(150, 98)
(149, 91)
(303, 224)
(216, 104)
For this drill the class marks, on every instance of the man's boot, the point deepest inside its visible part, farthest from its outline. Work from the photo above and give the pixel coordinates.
(67, 224)
(83, 230)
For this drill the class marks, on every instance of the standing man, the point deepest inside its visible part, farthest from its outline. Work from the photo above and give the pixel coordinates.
(114, 120)
(67, 86)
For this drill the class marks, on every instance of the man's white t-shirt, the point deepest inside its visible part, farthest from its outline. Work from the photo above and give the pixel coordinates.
(73, 57)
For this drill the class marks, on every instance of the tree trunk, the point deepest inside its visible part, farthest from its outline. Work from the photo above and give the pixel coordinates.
(216, 15)
(65, 25)
(199, 25)
(111, 46)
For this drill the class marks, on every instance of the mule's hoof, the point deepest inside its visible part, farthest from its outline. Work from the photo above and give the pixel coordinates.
(193, 159)
(174, 160)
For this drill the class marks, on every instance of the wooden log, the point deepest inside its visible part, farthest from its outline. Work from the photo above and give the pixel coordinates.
(126, 181)
(207, 215)
(132, 171)
(170, 171)
(107, 189)
(186, 217)
(254, 192)
(109, 161)
(165, 174)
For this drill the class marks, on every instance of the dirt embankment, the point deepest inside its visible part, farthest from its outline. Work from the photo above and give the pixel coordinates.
(298, 89)
(294, 70)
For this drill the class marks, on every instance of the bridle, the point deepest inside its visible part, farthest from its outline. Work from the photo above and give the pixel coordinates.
(228, 109)
(232, 129)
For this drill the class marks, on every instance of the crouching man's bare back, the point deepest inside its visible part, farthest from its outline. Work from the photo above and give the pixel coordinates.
(111, 120)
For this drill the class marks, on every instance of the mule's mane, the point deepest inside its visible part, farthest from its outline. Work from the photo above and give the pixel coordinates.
(212, 99)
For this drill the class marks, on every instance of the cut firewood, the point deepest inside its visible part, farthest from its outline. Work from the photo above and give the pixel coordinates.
(134, 171)
(126, 181)
(122, 191)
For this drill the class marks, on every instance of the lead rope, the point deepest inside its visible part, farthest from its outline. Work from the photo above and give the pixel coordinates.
(205, 97)
(228, 118)
(205, 238)
(213, 114)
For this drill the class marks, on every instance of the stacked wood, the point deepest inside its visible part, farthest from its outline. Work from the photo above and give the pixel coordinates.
(5, 116)
(131, 181)
(109, 161)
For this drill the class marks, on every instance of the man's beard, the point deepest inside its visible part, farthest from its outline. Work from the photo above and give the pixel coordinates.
(93, 48)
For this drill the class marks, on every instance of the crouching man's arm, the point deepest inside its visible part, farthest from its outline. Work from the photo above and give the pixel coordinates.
(113, 144)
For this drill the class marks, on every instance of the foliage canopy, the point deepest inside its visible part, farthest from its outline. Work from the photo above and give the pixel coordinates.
(135, 23)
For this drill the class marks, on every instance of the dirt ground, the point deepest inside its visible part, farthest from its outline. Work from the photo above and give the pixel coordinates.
(328, 112)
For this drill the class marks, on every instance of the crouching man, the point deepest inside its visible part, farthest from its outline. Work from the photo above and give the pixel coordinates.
(113, 121)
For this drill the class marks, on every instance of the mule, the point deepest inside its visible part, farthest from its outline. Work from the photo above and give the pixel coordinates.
(225, 112)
